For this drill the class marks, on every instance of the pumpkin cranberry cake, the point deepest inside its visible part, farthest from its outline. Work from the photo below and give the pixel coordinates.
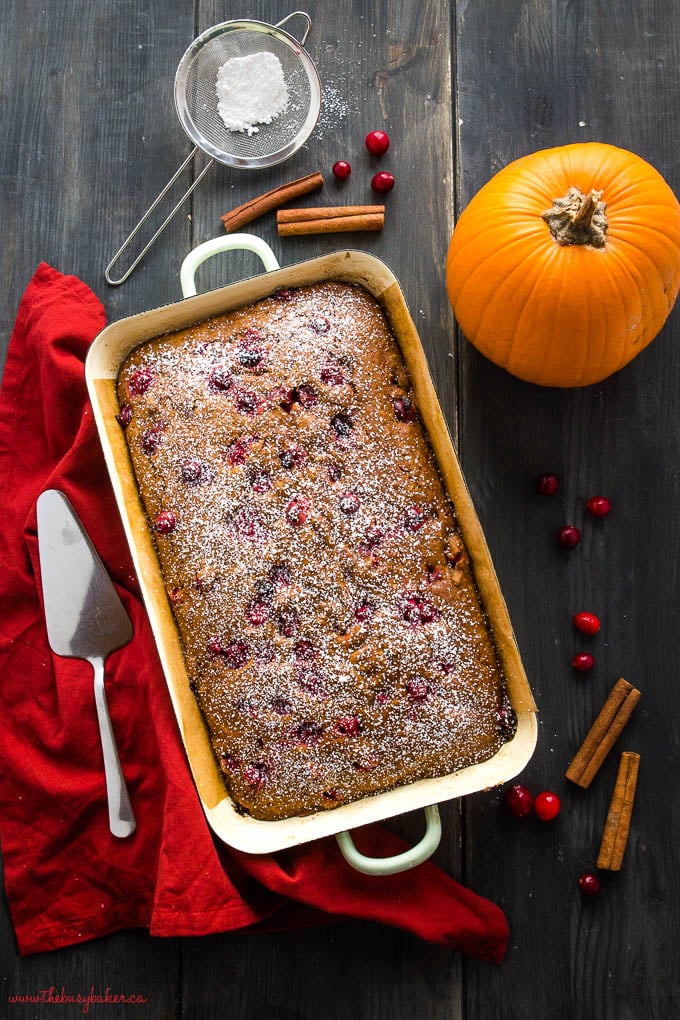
(331, 627)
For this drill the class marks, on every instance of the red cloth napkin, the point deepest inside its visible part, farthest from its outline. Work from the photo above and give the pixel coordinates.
(67, 879)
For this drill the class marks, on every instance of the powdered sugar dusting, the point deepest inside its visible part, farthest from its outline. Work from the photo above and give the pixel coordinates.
(251, 90)
(327, 609)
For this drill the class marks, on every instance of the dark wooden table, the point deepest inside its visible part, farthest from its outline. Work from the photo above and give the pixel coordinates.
(89, 136)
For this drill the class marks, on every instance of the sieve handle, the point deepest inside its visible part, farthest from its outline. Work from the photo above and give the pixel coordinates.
(232, 242)
(400, 862)
(298, 14)
(116, 281)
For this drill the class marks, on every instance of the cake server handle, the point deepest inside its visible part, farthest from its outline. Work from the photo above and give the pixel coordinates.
(400, 862)
(216, 245)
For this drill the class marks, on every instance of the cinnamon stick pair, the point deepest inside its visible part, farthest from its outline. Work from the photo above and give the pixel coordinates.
(603, 734)
(330, 219)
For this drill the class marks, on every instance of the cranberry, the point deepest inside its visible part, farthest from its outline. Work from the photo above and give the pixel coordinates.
(348, 726)
(247, 402)
(285, 399)
(519, 801)
(583, 662)
(252, 358)
(547, 485)
(176, 596)
(349, 503)
(264, 590)
(364, 612)
(309, 680)
(332, 375)
(308, 732)
(255, 775)
(546, 805)
(334, 472)
(404, 409)
(382, 182)
(305, 650)
(191, 471)
(417, 610)
(236, 654)
(417, 689)
(320, 324)
(599, 506)
(432, 574)
(237, 451)
(414, 518)
(341, 170)
(284, 295)
(229, 762)
(214, 647)
(332, 795)
(377, 142)
(281, 706)
(373, 536)
(589, 884)
(587, 623)
(152, 437)
(279, 574)
(125, 416)
(307, 395)
(220, 379)
(139, 382)
(257, 613)
(342, 424)
(292, 458)
(165, 522)
(507, 722)
(568, 536)
(297, 512)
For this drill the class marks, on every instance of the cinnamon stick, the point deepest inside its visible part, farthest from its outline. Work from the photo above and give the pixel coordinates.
(330, 219)
(603, 734)
(617, 825)
(261, 204)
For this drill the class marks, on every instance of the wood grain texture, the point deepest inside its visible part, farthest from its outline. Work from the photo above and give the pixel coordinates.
(531, 74)
(90, 136)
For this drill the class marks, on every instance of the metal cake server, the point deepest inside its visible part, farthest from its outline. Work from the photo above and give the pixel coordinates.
(85, 620)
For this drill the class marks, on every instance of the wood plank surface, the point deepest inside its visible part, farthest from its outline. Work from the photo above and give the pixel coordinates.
(90, 136)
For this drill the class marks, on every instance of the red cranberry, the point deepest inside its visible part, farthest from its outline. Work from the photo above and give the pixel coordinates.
(292, 458)
(252, 358)
(587, 623)
(255, 775)
(284, 295)
(417, 688)
(152, 438)
(377, 142)
(349, 503)
(237, 452)
(382, 182)
(297, 512)
(332, 375)
(191, 471)
(308, 732)
(229, 762)
(214, 647)
(257, 613)
(139, 382)
(279, 574)
(416, 609)
(583, 662)
(364, 612)
(599, 506)
(286, 398)
(165, 522)
(349, 726)
(334, 472)
(320, 324)
(519, 801)
(341, 170)
(247, 402)
(546, 806)
(414, 518)
(309, 681)
(589, 884)
(404, 409)
(547, 485)
(507, 722)
(305, 650)
(236, 654)
(220, 379)
(342, 424)
(260, 481)
(281, 706)
(331, 795)
(125, 415)
(568, 536)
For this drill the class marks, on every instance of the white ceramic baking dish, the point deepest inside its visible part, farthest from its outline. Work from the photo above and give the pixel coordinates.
(241, 831)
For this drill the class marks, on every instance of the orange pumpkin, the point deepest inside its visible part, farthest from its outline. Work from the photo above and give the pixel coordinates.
(566, 264)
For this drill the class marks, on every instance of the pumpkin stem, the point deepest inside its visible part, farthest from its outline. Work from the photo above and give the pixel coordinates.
(578, 219)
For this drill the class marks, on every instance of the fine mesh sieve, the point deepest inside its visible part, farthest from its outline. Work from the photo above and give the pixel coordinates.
(196, 105)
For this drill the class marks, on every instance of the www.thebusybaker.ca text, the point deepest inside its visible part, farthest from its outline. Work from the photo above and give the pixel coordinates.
(60, 997)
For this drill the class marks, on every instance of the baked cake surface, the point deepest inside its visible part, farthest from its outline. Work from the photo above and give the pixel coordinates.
(326, 605)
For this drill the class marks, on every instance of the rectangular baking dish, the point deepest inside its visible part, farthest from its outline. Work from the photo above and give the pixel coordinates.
(104, 359)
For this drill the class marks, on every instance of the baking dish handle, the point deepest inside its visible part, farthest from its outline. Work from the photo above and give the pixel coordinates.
(230, 242)
(400, 862)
